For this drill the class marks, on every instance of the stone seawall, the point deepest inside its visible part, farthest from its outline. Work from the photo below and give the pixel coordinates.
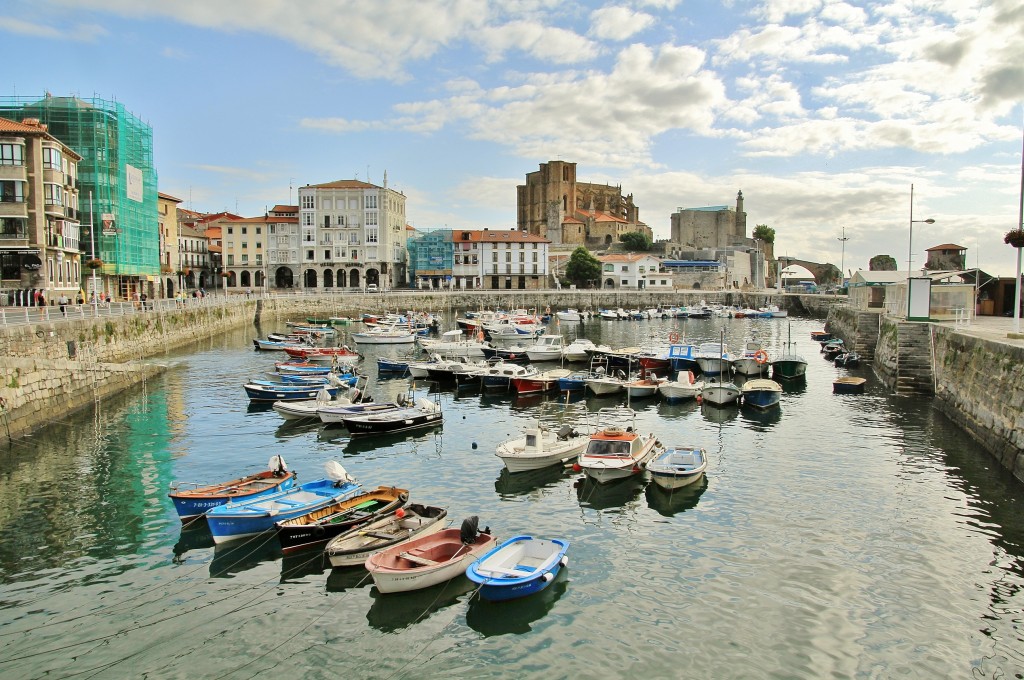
(979, 385)
(858, 330)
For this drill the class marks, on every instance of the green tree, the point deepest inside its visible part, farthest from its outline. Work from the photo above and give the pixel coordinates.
(582, 268)
(882, 263)
(765, 233)
(636, 241)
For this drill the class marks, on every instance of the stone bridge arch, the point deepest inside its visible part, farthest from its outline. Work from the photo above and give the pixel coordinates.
(823, 273)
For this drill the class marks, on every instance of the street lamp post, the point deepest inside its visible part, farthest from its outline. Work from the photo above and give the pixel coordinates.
(910, 247)
(842, 259)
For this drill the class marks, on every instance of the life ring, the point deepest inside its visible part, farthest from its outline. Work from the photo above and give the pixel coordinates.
(673, 337)
(761, 357)
(614, 431)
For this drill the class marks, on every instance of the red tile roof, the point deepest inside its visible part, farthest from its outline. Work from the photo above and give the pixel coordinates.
(285, 209)
(168, 197)
(496, 236)
(946, 246)
(7, 125)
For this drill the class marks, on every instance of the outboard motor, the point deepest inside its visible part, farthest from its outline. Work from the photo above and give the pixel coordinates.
(469, 530)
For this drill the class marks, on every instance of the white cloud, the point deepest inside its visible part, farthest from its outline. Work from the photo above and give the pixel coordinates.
(79, 33)
(545, 43)
(618, 23)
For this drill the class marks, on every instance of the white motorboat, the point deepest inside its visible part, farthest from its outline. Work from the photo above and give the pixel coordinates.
(579, 350)
(501, 374)
(547, 348)
(602, 383)
(617, 451)
(309, 408)
(719, 393)
(453, 344)
(384, 336)
(540, 447)
(644, 387)
(714, 358)
(685, 386)
(752, 361)
(421, 369)
(569, 315)
(678, 466)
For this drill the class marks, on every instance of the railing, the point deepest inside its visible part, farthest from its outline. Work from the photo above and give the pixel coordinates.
(961, 317)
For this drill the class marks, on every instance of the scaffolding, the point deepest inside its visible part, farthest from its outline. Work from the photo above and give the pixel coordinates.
(117, 169)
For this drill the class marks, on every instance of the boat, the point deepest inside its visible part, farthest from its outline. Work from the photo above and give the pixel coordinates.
(394, 367)
(847, 360)
(832, 349)
(789, 366)
(644, 387)
(512, 355)
(428, 560)
(540, 447)
(315, 528)
(578, 350)
(384, 336)
(761, 393)
(420, 414)
(500, 375)
(821, 336)
(453, 344)
(301, 368)
(277, 345)
(683, 357)
(351, 548)
(849, 385)
(616, 450)
(753, 360)
(333, 413)
(718, 393)
(444, 371)
(196, 500)
(420, 369)
(685, 386)
(547, 348)
(714, 358)
(574, 382)
(678, 466)
(302, 352)
(233, 521)
(521, 566)
(603, 383)
(539, 382)
(287, 392)
(570, 315)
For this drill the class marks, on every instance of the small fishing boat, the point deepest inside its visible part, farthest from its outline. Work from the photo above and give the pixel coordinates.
(540, 447)
(233, 521)
(310, 408)
(789, 366)
(334, 413)
(351, 548)
(418, 414)
(520, 566)
(394, 367)
(761, 393)
(286, 392)
(303, 352)
(539, 382)
(277, 345)
(579, 350)
(753, 360)
(847, 360)
(678, 466)
(683, 357)
(849, 385)
(500, 375)
(603, 383)
(714, 358)
(821, 336)
(301, 368)
(428, 560)
(644, 387)
(685, 386)
(321, 525)
(547, 348)
(454, 344)
(719, 393)
(570, 315)
(198, 499)
(384, 336)
(616, 450)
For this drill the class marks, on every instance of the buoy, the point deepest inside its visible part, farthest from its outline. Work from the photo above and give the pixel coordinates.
(548, 577)
(400, 513)
(474, 445)
(576, 467)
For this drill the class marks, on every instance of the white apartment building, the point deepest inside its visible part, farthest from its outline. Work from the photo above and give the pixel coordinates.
(509, 260)
(262, 252)
(633, 270)
(352, 234)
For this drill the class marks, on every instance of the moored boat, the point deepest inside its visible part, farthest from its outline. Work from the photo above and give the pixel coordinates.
(428, 560)
(678, 466)
(520, 566)
(351, 548)
(195, 501)
(315, 528)
(761, 393)
(540, 447)
(685, 386)
(849, 385)
(616, 450)
(539, 382)
(419, 415)
(719, 393)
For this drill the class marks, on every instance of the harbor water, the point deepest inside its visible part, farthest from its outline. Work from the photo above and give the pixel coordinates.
(842, 536)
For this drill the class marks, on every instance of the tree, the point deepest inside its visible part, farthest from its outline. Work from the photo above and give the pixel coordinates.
(764, 233)
(582, 268)
(636, 241)
(882, 263)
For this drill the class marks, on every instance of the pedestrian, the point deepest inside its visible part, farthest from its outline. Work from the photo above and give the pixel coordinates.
(142, 299)
(79, 299)
(42, 299)
(108, 299)
(62, 301)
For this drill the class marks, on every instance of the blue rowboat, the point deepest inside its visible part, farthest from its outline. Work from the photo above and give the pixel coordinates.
(283, 392)
(194, 502)
(385, 365)
(577, 382)
(520, 566)
(249, 518)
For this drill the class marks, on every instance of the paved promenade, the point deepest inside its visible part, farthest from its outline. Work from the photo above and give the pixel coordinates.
(995, 328)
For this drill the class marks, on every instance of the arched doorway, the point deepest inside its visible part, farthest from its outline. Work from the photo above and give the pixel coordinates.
(328, 278)
(259, 279)
(353, 278)
(283, 278)
(245, 279)
(341, 278)
(310, 279)
(608, 240)
(696, 286)
(229, 280)
(169, 288)
(373, 277)
(190, 279)
(609, 283)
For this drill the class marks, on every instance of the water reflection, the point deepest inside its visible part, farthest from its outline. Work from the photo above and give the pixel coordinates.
(395, 611)
(515, 617)
(196, 536)
(521, 483)
(305, 563)
(671, 502)
(719, 414)
(616, 494)
(349, 578)
(235, 557)
(765, 418)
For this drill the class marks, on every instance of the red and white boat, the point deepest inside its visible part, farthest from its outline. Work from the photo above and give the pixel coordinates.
(540, 382)
(616, 450)
(302, 352)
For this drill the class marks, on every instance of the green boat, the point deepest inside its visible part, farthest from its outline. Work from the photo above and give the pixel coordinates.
(317, 320)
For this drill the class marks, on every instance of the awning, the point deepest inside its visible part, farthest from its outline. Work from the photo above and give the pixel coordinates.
(16, 250)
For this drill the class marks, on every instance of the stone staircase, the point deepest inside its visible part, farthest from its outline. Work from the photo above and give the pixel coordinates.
(914, 367)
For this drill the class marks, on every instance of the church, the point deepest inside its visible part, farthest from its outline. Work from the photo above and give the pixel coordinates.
(552, 204)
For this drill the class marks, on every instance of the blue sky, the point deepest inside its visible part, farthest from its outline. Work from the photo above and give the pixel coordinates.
(824, 113)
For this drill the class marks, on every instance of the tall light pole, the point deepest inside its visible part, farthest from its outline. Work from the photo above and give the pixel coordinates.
(910, 247)
(842, 258)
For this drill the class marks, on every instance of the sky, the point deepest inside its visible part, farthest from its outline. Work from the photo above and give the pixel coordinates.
(824, 113)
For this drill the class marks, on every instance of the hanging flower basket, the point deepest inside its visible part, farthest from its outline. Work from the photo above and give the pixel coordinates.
(94, 263)
(1014, 238)
(225, 274)
(187, 272)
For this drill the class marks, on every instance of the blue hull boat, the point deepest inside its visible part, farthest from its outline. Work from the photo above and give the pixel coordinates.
(238, 520)
(194, 502)
(385, 365)
(761, 393)
(282, 392)
(521, 566)
(577, 382)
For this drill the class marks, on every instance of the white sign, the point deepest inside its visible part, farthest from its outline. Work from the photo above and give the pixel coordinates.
(109, 229)
(133, 183)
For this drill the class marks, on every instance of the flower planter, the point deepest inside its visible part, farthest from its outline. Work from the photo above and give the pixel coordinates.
(1014, 238)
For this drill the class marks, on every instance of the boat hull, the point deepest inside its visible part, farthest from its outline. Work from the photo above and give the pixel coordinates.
(519, 567)
(435, 559)
(197, 502)
(763, 399)
(517, 458)
(305, 533)
(352, 548)
(720, 395)
(789, 369)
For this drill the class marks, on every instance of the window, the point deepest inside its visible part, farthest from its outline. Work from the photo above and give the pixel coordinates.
(259, 230)
(245, 230)
(53, 194)
(245, 259)
(327, 254)
(327, 220)
(327, 204)
(535, 257)
(245, 245)
(508, 256)
(231, 259)
(341, 220)
(494, 256)
(51, 159)
(259, 245)
(609, 267)
(522, 257)
(355, 254)
(12, 192)
(371, 202)
(353, 239)
(12, 154)
(625, 268)
(231, 230)
(371, 235)
(307, 202)
(371, 218)
(309, 255)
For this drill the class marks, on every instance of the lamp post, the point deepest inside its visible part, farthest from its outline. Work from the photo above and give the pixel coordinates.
(910, 247)
(842, 258)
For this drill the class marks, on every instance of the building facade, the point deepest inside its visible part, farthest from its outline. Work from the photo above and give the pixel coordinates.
(117, 171)
(554, 205)
(193, 257)
(431, 258)
(39, 215)
(706, 228)
(262, 252)
(636, 271)
(508, 260)
(167, 223)
(353, 235)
